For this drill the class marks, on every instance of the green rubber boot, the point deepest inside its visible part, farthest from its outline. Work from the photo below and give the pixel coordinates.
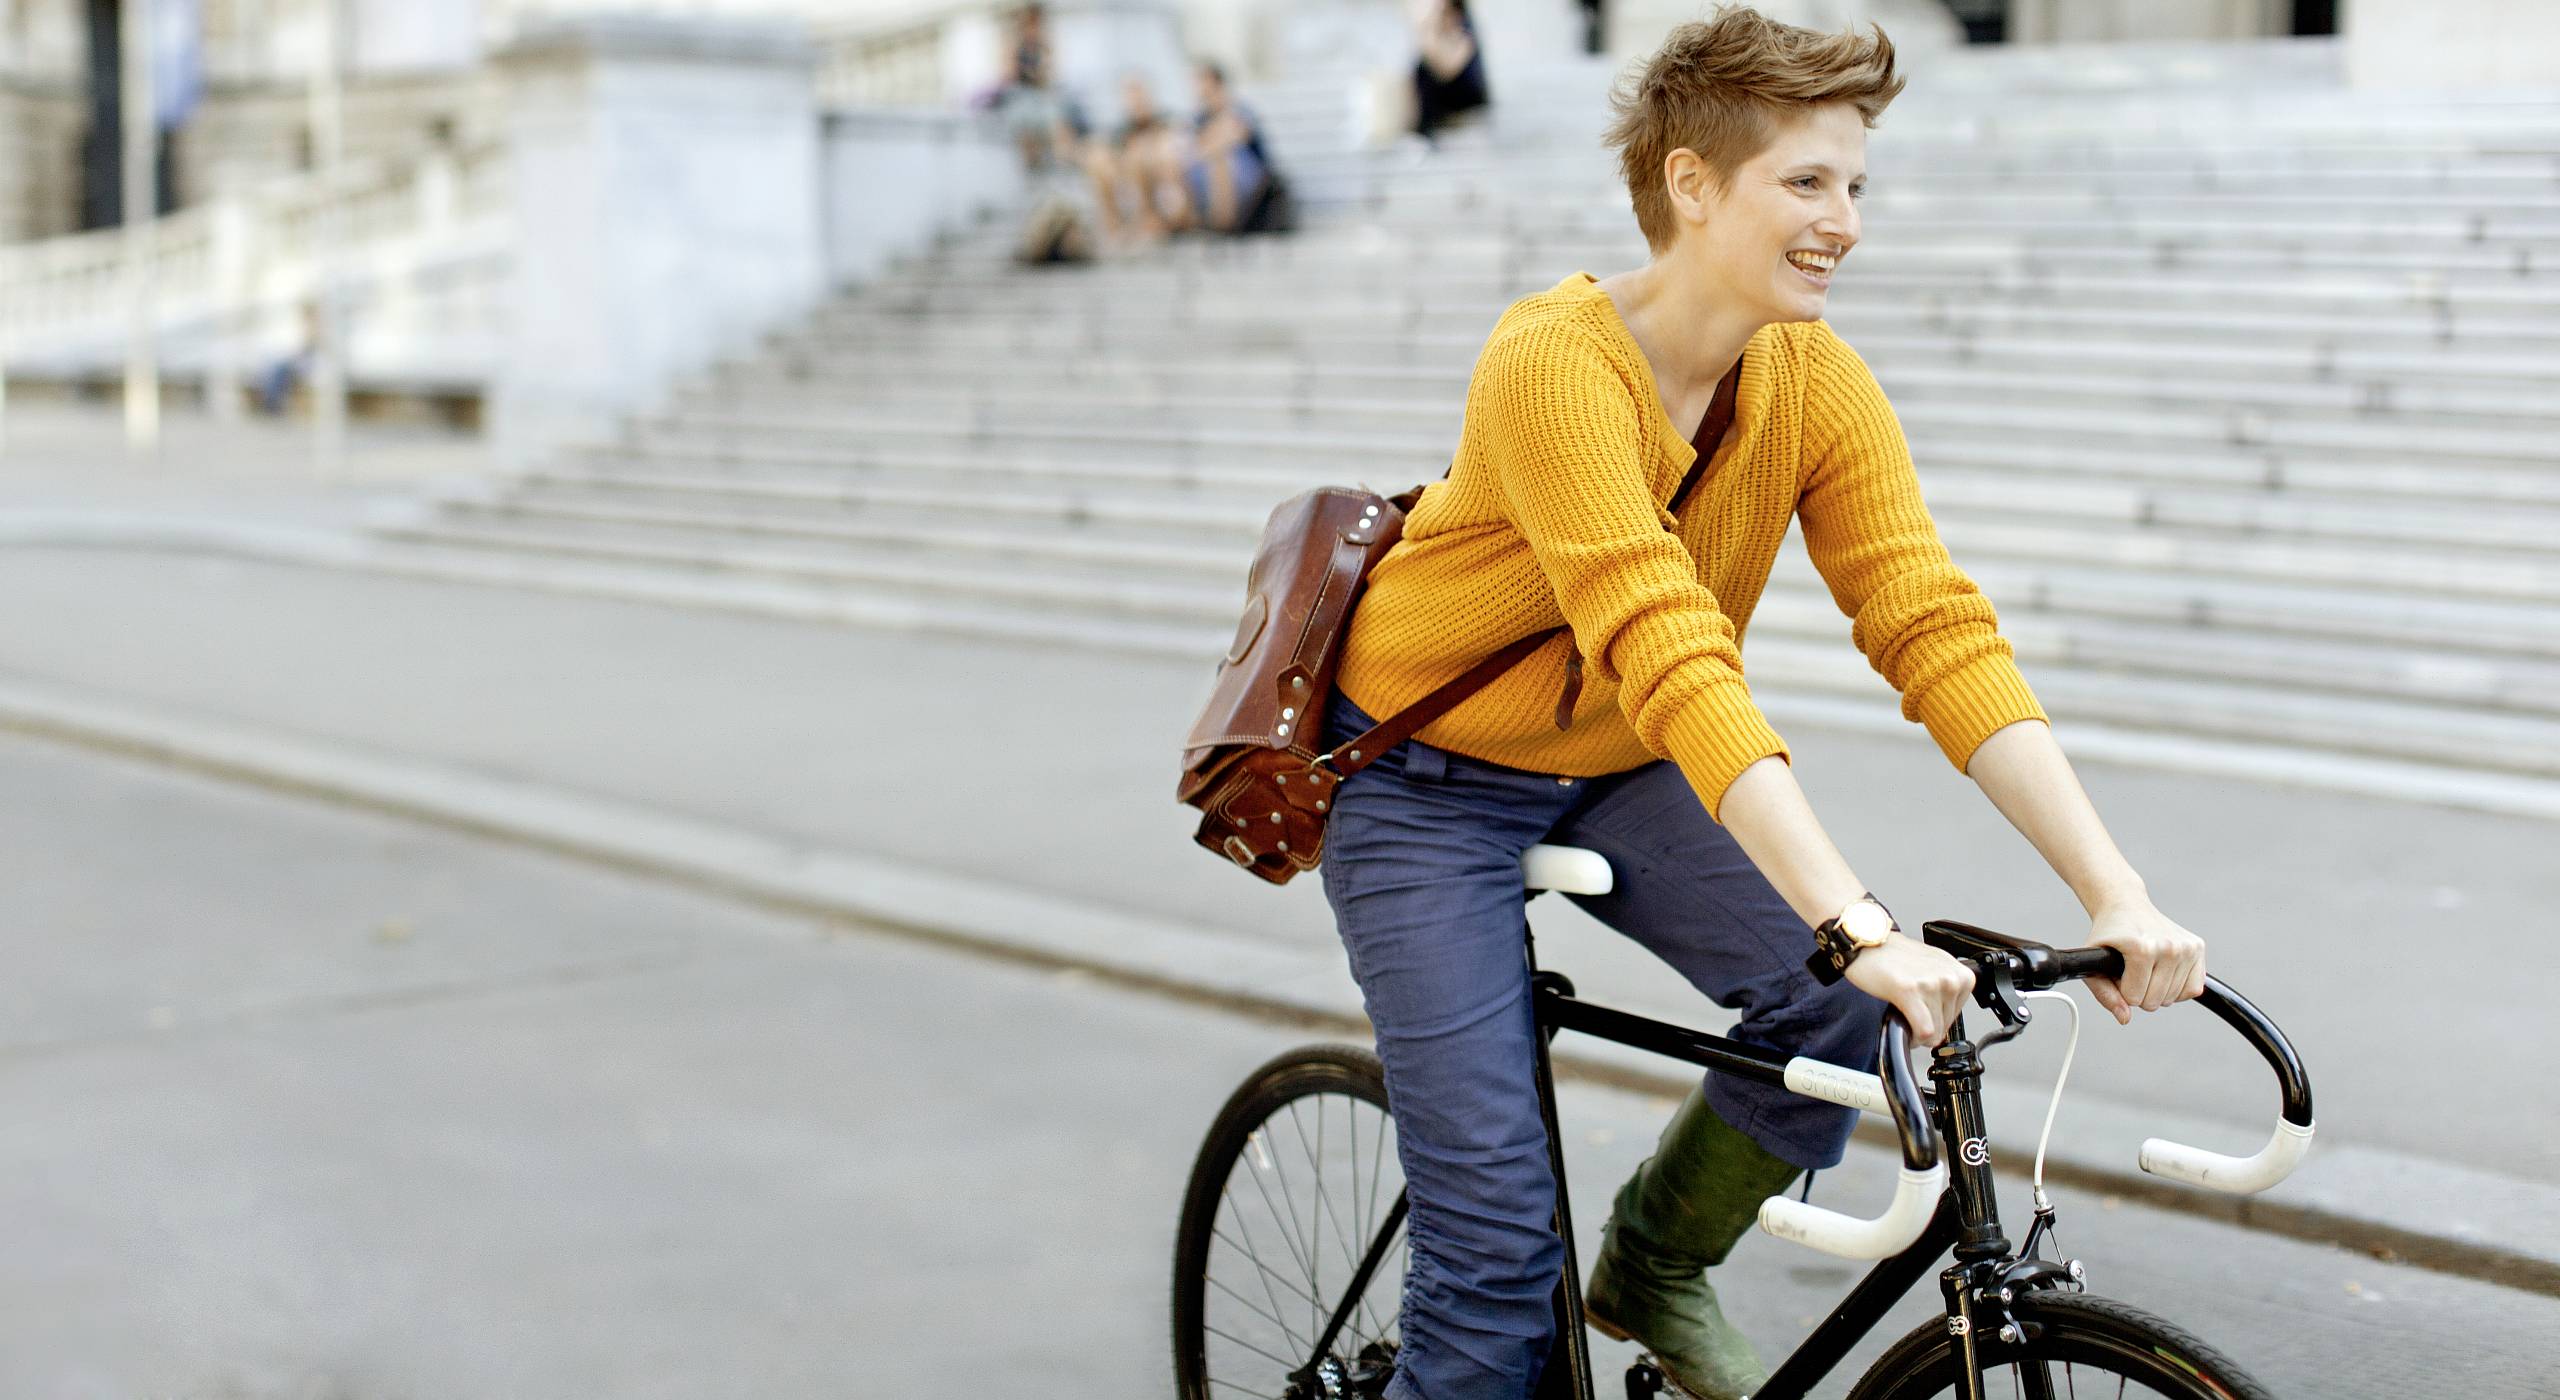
(1679, 1214)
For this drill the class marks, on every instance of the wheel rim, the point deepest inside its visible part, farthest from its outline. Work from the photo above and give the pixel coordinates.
(2083, 1367)
(1302, 1202)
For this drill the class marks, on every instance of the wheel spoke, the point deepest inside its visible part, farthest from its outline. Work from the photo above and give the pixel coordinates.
(1287, 1234)
(1325, 1211)
(1295, 1343)
(1242, 1389)
(1239, 1341)
(1266, 1272)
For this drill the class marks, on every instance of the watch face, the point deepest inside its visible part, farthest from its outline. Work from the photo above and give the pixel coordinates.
(1866, 924)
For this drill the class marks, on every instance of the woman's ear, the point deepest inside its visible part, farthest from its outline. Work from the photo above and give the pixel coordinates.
(1687, 182)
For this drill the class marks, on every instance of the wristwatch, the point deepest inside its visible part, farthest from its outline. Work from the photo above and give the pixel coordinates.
(1838, 940)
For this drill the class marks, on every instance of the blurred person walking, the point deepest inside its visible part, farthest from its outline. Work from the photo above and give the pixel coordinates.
(1634, 449)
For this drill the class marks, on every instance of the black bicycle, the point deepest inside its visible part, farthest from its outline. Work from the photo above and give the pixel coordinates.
(1290, 1256)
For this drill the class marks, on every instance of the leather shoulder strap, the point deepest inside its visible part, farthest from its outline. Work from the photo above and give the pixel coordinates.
(1360, 752)
(1710, 432)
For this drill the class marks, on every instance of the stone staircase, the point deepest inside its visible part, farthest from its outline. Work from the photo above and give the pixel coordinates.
(2247, 417)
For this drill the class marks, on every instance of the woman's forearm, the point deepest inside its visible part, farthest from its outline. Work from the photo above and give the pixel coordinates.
(2022, 770)
(1769, 818)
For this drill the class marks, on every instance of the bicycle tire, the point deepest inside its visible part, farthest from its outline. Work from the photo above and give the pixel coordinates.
(1286, 1102)
(2091, 1339)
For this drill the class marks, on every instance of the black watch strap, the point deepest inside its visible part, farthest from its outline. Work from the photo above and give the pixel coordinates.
(1834, 949)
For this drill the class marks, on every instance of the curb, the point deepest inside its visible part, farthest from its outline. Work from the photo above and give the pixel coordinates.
(2433, 1214)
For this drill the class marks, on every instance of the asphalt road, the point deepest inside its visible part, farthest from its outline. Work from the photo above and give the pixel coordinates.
(2381, 935)
(301, 1103)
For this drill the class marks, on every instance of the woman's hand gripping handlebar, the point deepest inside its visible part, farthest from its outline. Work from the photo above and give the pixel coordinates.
(2008, 965)
(1915, 1192)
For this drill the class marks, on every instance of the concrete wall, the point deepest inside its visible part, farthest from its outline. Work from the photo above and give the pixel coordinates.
(895, 182)
(2452, 44)
(665, 179)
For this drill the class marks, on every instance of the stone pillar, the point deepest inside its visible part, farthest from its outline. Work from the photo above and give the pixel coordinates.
(2452, 44)
(896, 181)
(664, 178)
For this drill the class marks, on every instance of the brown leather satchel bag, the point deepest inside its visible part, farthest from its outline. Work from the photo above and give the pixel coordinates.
(1251, 764)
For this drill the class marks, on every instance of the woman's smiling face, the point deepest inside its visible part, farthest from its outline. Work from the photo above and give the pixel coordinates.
(1771, 240)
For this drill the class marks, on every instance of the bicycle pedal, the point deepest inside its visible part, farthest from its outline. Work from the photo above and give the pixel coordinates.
(1648, 1379)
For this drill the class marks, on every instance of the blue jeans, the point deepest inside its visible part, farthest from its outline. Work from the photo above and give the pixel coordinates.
(1422, 868)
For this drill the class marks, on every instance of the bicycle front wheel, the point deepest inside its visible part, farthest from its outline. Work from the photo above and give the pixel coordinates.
(1294, 1187)
(2077, 1348)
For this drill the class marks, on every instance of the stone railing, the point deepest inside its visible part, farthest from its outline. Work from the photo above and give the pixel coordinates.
(901, 66)
(267, 240)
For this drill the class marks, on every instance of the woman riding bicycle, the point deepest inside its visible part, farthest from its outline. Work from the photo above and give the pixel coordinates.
(1743, 147)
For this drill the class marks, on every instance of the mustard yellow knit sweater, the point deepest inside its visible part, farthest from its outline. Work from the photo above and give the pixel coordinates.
(1553, 514)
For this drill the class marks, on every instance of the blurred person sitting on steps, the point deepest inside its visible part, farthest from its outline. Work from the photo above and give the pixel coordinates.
(1448, 77)
(1224, 177)
(1743, 147)
(1123, 168)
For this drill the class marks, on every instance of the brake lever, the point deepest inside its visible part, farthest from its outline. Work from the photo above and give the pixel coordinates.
(1995, 989)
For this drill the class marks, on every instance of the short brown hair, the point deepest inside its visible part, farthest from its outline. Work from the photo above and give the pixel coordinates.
(1718, 87)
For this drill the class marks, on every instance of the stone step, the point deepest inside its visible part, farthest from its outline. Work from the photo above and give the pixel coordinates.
(1179, 301)
(1895, 197)
(1204, 438)
(2369, 378)
(1336, 245)
(1413, 397)
(2317, 709)
(1184, 585)
(2206, 227)
(1211, 537)
(1355, 331)
(1360, 271)
(1910, 167)
(2458, 571)
(1999, 451)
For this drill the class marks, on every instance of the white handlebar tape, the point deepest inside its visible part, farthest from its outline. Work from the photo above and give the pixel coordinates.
(1915, 1199)
(1566, 870)
(1849, 1088)
(2238, 1175)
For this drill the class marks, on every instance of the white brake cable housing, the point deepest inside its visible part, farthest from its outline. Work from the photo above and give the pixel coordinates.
(2059, 1079)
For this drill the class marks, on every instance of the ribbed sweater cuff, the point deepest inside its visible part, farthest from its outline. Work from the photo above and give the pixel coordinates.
(1974, 703)
(1715, 736)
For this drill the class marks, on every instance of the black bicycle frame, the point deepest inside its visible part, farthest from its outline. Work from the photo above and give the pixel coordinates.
(1986, 1274)
(1967, 1219)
